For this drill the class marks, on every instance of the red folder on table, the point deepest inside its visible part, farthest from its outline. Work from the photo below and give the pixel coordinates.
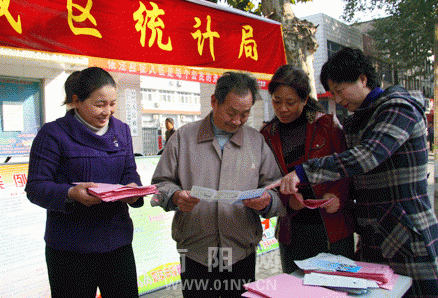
(286, 285)
(114, 192)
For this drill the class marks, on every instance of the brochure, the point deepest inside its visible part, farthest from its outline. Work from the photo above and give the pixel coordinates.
(225, 196)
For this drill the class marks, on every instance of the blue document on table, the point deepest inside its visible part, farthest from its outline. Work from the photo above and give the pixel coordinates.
(324, 265)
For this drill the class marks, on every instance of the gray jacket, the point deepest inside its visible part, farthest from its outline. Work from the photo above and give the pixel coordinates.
(193, 157)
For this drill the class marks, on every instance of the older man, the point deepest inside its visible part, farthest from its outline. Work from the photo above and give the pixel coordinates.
(221, 153)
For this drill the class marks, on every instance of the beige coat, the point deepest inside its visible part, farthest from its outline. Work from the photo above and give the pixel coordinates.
(193, 157)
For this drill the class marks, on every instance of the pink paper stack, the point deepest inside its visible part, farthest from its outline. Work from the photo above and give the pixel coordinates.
(286, 285)
(114, 192)
(381, 273)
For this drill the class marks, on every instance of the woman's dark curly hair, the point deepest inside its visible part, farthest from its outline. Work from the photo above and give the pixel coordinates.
(347, 65)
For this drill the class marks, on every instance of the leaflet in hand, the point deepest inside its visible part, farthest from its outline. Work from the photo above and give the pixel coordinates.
(114, 192)
(225, 196)
(313, 204)
(309, 203)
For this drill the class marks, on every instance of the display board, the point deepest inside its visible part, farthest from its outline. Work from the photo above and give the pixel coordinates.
(23, 271)
(20, 116)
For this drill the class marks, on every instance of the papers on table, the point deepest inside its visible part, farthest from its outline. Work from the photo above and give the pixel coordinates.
(321, 280)
(327, 280)
(326, 262)
(329, 264)
(114, 192)
(224, 196)
(286, 285)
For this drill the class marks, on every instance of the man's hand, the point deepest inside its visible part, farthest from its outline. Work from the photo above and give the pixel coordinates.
(133, 199)
(333, 206)
(80, 193)
(259, 203)
(296, 204)
(289, 184)
(184, 201)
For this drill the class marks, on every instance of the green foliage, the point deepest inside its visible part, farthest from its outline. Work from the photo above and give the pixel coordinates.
(406, 37)
(245, 5)
(354, 6)
(252, 6)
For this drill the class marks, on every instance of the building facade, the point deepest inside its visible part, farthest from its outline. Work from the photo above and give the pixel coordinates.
(166, 98)
(331, 36)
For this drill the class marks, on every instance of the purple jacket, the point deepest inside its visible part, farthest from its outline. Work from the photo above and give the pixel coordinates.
(64, 152)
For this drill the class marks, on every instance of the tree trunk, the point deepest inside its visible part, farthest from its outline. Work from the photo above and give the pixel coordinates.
(299, 36)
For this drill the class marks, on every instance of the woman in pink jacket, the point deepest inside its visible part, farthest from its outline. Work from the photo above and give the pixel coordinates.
(298, 132)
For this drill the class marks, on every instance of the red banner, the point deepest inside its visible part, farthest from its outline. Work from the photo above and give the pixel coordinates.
(175, 72)
(164, 32)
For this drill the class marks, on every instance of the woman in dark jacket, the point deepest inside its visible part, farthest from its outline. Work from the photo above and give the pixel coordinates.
(298, 132)
(88, 242)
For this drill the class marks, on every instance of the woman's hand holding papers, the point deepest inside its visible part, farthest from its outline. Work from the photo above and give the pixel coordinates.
(184, 201)
(79, 193)
(295, 203)
(290, 184)
(133, 199)
(333, 205)
(259, 203)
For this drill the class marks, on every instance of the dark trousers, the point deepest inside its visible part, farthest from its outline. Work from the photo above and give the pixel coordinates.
(198, 282)
(308, 241)
(75, 275)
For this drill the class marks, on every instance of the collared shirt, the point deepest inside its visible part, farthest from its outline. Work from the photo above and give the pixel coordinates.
(193, 157)
(222, 136)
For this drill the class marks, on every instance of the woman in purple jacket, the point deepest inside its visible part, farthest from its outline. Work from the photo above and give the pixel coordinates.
(88, 242)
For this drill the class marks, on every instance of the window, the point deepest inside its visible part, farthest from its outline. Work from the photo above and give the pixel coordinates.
(332, 48)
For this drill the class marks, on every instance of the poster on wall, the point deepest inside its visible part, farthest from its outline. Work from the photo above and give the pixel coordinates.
(13, 118)
(157, 259)
(19, 114)
(23, 271)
